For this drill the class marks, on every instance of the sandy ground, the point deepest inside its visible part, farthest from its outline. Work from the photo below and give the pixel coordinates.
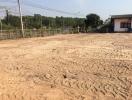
(67, 67)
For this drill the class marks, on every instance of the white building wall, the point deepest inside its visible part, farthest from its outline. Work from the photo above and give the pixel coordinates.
(117, 27)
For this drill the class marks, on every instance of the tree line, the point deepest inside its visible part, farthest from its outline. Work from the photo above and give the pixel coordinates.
(37, 21)
(90, 23)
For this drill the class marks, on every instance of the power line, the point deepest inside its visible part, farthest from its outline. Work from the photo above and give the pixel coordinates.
(52, 9)
(14, 1)
(45, 8)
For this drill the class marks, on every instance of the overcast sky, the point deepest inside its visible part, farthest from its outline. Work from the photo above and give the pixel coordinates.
(80, 8)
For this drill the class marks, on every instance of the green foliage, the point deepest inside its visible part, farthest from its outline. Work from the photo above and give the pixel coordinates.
(106, 27)
(37, 21)
(5, 26)
(89, 24)
(93, 21)
(13, 21)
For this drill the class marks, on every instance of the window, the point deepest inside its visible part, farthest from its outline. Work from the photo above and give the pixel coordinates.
(125, 25)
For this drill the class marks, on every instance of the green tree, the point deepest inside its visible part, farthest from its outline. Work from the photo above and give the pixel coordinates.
(93, 21)
(37, 21)
(106, 26)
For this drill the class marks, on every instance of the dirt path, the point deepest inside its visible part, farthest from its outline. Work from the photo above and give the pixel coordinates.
(67, 67)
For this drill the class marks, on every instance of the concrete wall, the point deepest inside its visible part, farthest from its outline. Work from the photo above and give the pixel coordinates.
(117, 25)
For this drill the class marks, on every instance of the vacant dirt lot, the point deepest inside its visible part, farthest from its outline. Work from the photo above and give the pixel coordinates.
(67, 67)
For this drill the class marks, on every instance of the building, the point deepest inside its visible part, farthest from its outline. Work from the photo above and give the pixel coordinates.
(122, 23)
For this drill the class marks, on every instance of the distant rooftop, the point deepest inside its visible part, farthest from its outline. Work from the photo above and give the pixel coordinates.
(121, 16)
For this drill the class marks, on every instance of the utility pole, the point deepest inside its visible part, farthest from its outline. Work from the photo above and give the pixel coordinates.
(20, 12)
(78, 29)
(7, 16)
(0, 25)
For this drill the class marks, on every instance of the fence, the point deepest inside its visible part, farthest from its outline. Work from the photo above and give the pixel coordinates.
(28, 33)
